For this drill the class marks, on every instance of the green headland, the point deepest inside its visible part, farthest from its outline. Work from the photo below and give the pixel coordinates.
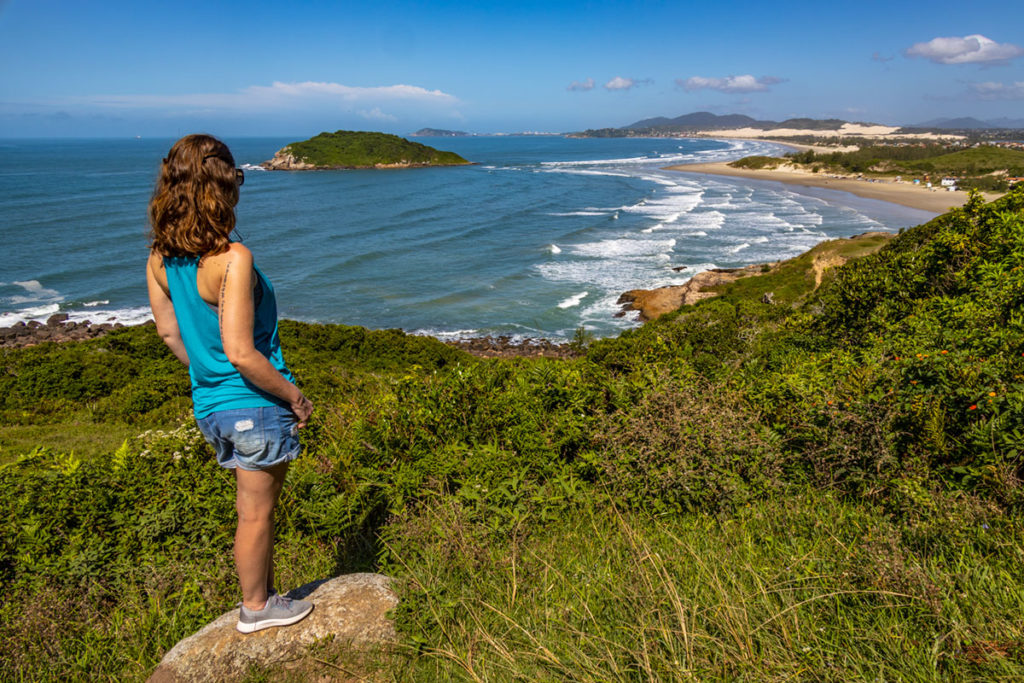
(358, 149)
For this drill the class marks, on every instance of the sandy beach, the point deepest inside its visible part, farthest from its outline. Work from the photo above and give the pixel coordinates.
(937, 200)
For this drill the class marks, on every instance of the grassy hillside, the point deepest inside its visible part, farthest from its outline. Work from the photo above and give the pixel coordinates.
(354, 149)
(738, 490)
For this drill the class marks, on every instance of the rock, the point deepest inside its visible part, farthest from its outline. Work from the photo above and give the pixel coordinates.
(285, 161)
(768, 298)
(505, 347)
(350, 608)
(653, 303)
(56, 319)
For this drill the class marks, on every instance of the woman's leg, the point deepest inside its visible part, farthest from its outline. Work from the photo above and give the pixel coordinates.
(256, 496)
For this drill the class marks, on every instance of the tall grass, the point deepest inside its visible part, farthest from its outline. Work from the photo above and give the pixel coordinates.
(806, 586)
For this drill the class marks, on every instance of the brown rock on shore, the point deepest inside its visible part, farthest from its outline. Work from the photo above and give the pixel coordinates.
(653, 303)
(56, 329)
(285, 161)
(504, 347)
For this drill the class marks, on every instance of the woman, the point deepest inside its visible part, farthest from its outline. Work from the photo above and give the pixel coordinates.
(218, 314)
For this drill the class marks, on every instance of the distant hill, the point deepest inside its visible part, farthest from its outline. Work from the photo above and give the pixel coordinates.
(696, 120)
(358, 149)
(970, 123)
(1007, 123)
(438, 133)
(699, 120)
(706, 121)
(962, 123)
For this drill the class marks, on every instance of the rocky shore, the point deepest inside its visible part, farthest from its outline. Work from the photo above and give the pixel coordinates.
(56, 329)
(505, 347)
(652, 303)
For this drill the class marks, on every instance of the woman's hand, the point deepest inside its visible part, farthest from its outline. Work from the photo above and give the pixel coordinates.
(303, 408)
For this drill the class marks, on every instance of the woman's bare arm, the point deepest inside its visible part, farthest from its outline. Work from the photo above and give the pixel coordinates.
(236, 311)
(163, 311)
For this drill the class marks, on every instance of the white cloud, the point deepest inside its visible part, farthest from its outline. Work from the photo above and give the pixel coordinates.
(376, 114)
(581, 85)
(620, 83)
(731, 84)
(997, 91)
(365, 101)
(973, 49)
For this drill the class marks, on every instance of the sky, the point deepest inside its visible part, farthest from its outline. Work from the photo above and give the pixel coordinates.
(258, 68)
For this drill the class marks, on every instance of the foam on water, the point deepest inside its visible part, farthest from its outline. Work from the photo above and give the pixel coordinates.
(38, 313)
(446, 335)
(32, 291)
(573, 300)
(623, 247)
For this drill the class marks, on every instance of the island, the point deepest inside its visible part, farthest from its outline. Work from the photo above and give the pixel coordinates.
(439, 133)
(347, 149)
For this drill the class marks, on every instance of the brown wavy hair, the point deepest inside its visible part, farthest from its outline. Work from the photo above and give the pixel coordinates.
(192, 211)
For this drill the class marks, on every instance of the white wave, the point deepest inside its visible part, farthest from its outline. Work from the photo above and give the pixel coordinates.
(583, 171)
(573, 300)
(704, 220)
(667, 208)
(446, 335)
(252, 167)
(623, 247)
(92, 304)
(34, 293)
(39, 313)
(126, 316)
(579, 213)
(553, 248)
(737, 248)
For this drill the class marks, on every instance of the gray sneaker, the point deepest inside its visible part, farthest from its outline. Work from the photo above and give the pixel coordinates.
(278, 611)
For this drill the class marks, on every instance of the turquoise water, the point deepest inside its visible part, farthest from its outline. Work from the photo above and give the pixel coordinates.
(537, 238)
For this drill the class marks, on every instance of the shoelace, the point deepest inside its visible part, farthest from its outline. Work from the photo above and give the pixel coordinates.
(279, 600)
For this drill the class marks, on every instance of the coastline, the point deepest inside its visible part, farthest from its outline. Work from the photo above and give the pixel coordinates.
(904, 194)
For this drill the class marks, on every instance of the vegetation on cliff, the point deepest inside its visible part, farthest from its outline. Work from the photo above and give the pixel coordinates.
(359, 149)
(736, 490)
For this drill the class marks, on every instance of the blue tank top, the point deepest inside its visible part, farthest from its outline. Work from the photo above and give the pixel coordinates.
(216, 384)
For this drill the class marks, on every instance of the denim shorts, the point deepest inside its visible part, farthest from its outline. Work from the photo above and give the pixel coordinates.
(252, 438)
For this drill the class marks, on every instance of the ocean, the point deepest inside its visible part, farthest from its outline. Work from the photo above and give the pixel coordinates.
(536, 239)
